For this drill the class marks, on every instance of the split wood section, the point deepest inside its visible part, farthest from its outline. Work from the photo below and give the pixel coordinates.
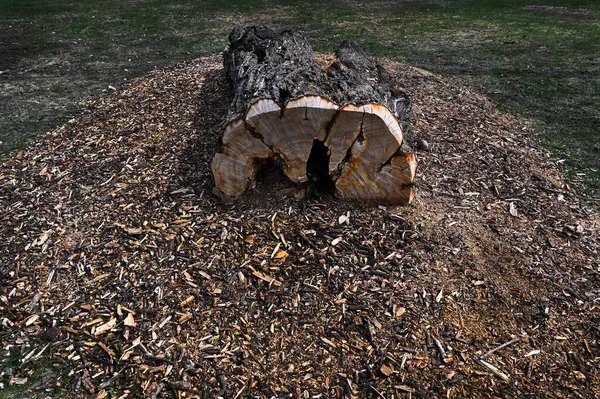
(287, 120)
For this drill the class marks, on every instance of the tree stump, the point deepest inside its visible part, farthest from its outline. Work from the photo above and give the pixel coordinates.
(344, 125)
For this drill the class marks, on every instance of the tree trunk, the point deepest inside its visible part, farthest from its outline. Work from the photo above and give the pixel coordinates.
(344, 124)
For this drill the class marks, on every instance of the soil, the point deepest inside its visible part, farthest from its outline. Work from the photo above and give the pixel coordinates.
(120, 269)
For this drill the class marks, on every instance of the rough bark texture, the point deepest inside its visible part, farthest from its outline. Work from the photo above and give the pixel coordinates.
(284, 104)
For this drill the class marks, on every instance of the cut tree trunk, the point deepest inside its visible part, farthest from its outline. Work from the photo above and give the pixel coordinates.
(345, 123)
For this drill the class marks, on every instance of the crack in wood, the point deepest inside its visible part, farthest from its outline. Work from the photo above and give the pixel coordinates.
(279, 160)
(360, 138)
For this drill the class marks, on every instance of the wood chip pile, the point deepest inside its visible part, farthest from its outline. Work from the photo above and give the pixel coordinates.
(125, 276)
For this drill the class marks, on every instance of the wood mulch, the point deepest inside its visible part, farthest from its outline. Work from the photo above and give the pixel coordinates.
(121, 272)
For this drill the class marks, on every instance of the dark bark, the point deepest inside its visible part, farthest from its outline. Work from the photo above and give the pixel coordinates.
(264, 64)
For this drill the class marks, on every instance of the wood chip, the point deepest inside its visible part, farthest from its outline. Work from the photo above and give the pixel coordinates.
(118, 245)
(386, 370)
(105, 327)
(129, 320)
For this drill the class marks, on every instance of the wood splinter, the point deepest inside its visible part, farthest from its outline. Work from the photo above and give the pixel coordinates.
(493, 369)
(340, 128)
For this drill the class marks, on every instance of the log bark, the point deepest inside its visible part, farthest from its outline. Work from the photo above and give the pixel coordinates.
(346, 123)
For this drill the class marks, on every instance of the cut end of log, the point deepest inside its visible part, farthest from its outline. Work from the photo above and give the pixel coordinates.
(234, 168)
(358, 147)
(290, 132)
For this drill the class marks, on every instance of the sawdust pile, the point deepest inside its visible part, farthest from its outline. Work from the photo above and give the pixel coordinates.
(124, 276)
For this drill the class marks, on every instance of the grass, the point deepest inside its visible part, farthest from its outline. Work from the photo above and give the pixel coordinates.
(537, 59)
(41, 374)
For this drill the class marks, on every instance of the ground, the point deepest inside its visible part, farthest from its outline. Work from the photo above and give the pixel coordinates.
(125, 276)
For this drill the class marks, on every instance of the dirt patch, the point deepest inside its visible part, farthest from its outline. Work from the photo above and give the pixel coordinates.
(119, 265)
(11, 46)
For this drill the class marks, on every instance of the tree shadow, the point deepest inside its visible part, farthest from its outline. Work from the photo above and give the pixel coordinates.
(213, 100)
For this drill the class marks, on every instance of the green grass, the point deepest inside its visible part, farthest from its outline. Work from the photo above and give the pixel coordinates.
(537, 59)
(35, 372)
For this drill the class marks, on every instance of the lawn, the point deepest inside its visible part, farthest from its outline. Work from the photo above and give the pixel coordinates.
(536, 59)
